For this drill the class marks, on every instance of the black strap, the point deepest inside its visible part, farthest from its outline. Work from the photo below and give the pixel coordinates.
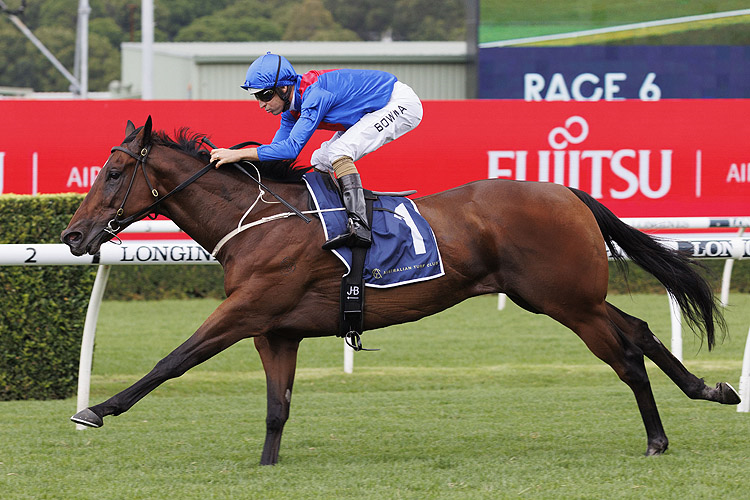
(351, 324)
(353, 295)
(257, 181)
(151, 208)
(116, 225)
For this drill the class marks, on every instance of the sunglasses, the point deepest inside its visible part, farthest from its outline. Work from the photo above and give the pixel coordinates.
(265, 95)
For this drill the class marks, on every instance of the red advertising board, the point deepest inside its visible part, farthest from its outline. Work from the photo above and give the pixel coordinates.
(642, 159)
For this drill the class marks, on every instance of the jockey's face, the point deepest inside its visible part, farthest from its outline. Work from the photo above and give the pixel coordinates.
(276, 105)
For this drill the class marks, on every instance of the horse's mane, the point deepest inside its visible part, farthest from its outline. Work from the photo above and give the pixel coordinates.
(191, 143)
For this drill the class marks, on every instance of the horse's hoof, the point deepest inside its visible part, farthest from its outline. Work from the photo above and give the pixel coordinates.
(657, 448)
(727, 394)
(88, 418)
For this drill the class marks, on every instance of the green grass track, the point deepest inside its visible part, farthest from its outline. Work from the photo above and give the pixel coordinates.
(473, 403)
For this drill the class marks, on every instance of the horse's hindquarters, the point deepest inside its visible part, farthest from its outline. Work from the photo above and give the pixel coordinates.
(535, 241)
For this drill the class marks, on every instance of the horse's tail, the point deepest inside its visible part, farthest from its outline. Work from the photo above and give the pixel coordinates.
(674, 269)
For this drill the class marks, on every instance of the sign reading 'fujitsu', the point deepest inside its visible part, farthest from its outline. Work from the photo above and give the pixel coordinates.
(666, 158)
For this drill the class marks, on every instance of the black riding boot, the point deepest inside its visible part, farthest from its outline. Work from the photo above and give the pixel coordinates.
(357, 229)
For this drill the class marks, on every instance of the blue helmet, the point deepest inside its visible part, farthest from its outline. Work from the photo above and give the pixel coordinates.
(269, 71)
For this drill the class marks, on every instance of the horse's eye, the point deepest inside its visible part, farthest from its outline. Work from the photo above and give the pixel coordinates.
(113, 175)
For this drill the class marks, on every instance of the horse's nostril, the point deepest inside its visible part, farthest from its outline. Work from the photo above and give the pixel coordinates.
(72, 237)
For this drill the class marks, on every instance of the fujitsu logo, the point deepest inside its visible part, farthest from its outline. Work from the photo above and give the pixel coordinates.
(623, 172)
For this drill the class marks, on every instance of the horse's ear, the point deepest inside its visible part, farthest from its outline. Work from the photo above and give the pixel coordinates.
(129, 128)
(144, 136)
(147, 129)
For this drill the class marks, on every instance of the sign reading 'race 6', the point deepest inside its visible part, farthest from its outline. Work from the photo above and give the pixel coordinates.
(585, 87)
(591, 73)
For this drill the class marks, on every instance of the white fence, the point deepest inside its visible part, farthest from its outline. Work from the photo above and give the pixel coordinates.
(129, 253)
(189, 252)
(692, 223)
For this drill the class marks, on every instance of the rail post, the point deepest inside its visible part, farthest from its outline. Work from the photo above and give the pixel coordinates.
(744, 405)
(87, 342)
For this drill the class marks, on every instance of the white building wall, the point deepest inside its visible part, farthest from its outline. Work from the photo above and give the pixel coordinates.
(435, 70)
(220, 81)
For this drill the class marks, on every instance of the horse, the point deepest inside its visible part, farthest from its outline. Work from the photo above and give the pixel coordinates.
(542, 244)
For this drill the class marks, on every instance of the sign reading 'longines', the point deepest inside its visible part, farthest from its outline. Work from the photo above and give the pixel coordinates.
(717, 249)
(706, 248)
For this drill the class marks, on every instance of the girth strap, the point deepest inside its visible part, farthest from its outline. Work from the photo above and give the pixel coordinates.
(351, 323)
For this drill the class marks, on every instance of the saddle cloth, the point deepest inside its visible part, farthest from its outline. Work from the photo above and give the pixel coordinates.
(404, 249)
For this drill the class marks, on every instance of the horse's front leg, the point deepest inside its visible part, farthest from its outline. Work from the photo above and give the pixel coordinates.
(279, 357)
(228, 324)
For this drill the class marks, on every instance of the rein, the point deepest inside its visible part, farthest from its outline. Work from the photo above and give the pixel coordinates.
(116, 225)
(257, 181)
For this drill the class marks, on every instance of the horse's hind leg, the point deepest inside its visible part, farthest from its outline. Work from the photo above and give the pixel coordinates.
(610, 345)
(638, 332)
(279, 357)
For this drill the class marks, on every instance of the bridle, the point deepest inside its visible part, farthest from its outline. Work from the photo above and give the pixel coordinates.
(116, 224)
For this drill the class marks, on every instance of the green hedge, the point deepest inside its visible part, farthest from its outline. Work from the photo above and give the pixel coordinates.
(43, 308)
(154, 282)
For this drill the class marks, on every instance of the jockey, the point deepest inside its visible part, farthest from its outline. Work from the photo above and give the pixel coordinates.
(366, 108)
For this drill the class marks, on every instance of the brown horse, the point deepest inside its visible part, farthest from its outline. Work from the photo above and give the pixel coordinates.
(544, 245)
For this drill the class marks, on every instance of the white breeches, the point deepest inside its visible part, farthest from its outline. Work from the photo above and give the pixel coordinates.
(402, 113)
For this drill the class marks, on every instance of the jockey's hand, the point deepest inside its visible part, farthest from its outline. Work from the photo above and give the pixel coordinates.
(223, 156)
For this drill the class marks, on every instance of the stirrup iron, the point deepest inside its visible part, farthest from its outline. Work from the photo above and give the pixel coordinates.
(354, 340)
